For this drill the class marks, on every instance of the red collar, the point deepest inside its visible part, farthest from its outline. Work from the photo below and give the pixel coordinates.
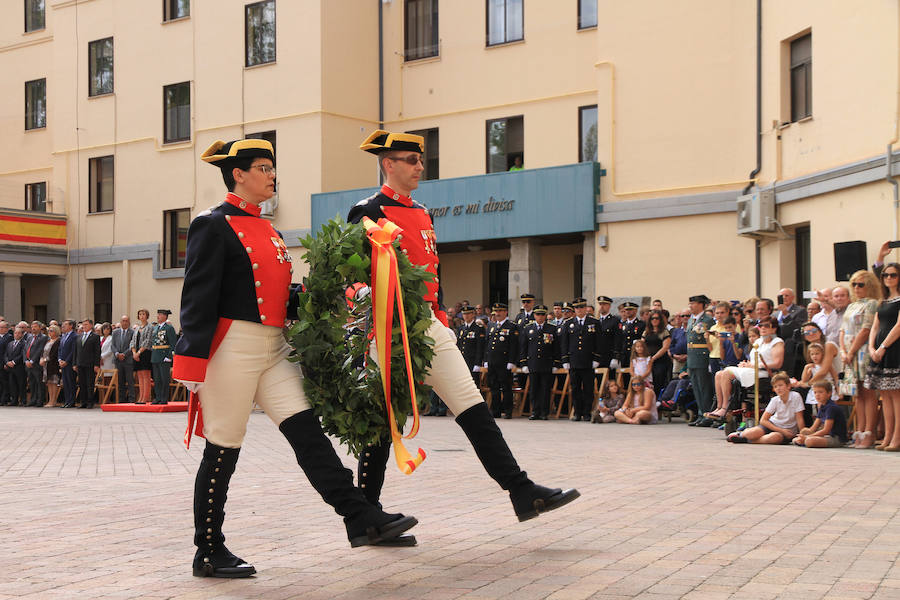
(405, 200)
(247, 207)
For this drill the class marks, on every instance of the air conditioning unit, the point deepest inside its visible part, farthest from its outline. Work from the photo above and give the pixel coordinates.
(756, 212)
(267, 208)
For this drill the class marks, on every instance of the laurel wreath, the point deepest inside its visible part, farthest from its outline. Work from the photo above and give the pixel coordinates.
(342, 384)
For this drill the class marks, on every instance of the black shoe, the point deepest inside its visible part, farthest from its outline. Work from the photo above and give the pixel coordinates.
(544, 418)
(694, 422)
(531, 501)
(385, 534)
(534, 418)
(401, 541)
(221, 563)
(705, 422)
(507, 416)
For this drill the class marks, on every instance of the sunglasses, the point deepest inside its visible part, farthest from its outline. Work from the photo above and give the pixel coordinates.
(858, 284)
(654, 318)
(410, 159)
(810, 332)
(890, 274)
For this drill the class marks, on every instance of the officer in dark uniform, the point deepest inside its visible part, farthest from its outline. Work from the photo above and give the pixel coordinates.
(698, 358)
(607, 331)
(579, 356)
(557, 318)
(470, 341)
(500, 358)
(630, 329)
(526, 315)
(537, 354)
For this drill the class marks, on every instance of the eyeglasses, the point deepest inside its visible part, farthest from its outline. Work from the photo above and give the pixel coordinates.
(266, 169)
(858, 284)
(890, 274)
(810, 331)
(410, 159)
(654, 318)
(637, 385)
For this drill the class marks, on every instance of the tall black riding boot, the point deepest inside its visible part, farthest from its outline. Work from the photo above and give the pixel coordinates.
(210, 492)
(528, 498)
(366, 524)
(370, 477)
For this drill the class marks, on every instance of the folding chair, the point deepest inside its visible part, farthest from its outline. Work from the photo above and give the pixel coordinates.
(520, 394)
(560, 394)
(105, 389)
(598, 388)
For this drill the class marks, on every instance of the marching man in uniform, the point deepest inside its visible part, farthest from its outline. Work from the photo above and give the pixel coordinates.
(233, 308)
(400, 160)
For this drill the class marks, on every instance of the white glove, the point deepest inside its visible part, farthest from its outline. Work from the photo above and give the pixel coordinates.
(167, 360)
(510, 366)
(566, 366)
(193, 386)
(594, 364)
(524, 370)
(476, 369)
(614, 364)
(485, 365)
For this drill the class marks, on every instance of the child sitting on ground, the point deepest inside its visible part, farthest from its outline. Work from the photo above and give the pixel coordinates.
(611, 400)
(782, 419)
(829, 430)
(640, 362)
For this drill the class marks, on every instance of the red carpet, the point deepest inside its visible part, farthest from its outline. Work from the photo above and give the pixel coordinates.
(156, 408)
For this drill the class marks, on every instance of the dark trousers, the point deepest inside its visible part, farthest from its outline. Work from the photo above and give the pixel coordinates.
(36, 383)
(17, 385)
(539, 392)
(500, 380)
(162, 375)
(701, 382)
(126, 380)
(582, 382)
(86, 385)
(4, 386)
(68, 383)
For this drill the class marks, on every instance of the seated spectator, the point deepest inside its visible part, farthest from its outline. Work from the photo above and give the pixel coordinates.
(781, 421)
(611, 400)
(829, 430)
(770, 350)
(640, 404)
(640, 361)
(748, 340)
(668, 400)
(831, 363)
(678, 346)
(750, 307)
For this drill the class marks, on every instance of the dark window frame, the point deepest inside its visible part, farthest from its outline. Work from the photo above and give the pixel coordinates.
(169, 7)
(582, 26)
(803, 259)
(43, 16)
(30, 114)
(581, 110)
(170, 255)
(182, 137)
(29, 196)
(432, 158)
(92, 73)
(270, 135)
(102, 309)
(247, 8)
(487, 25)
(508, 154)
(801, 66)
(96, 201)
(418, 49)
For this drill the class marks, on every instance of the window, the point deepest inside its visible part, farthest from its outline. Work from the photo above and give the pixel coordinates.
(421, 35)
(176, 9)
(36, 196)
(267, 207)
(587, 14)
(259, 29)
(802, 251)
(177, 112)
(36, 104)
(498, 281)
(801, 78)
(175, 230)
(431, 157)
(587, 134)
(269, 136)
(505, 143)
(100, 57)
(504, 21)
(102, 182)
(34, 15)
(103, 300)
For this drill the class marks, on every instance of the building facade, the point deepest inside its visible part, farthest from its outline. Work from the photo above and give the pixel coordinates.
(637, 129)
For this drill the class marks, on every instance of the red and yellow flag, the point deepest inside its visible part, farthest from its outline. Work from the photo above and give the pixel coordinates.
(32, 229)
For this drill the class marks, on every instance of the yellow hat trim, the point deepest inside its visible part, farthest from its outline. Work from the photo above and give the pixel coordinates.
(369, 144)
(209, 155)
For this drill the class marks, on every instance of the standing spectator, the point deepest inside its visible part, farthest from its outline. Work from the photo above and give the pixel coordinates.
(50, 364)
(698, 357)
(678, 345)
(853, 342)
(720, 313)
(812, 310)
(883, 373)
(14, 364)
(67, 361)
(764, 308)
(827, 318)
(107, 359)
(470, 341)
(124, 360)
(790, 318)
(5, 336)
(87, 361)
(164, 338)
(750, 308)
(537, 354)
(34, 347)
(840, 299)
(501, 352)
(658, 340)
(141, 349)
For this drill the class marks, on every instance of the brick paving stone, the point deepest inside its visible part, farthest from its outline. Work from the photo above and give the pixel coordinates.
(98, 505)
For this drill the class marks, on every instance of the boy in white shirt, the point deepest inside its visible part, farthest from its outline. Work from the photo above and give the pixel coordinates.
(781, 421)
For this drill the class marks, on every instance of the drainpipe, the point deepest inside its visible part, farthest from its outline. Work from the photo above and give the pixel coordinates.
(887, 157)
(380, 75)
(756, 171)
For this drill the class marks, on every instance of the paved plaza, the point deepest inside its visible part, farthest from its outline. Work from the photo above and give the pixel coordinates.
(98, 505)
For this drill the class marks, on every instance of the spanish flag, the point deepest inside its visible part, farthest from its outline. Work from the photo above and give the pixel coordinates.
(32, 229)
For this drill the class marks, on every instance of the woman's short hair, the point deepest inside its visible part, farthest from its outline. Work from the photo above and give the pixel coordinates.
(54, 328)
(872, 285)
(145, 311)
(106, 326)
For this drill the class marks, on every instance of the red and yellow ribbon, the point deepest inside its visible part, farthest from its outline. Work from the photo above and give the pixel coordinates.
(385, 290)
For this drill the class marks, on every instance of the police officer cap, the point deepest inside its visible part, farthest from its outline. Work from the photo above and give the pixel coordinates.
(567, 307)
(526, 296)
(164, 311)
(467, 310)
(221, 154)
(579, 302)
(629, 305)
(381, 141)
(605, 299)
(701, 298)
(559, 304)
(500, 306)
(540, 309)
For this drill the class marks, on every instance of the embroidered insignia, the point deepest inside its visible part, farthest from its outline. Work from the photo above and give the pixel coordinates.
(281, 251)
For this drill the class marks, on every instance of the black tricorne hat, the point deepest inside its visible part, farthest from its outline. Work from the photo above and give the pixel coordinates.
(381, 141)
(699, 298)
(220, 153)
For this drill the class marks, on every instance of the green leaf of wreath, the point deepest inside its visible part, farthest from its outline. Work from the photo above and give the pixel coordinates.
(342, 383)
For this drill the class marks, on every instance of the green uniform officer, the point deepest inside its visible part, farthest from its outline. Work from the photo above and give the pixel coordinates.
(163, 339)
(698, 358)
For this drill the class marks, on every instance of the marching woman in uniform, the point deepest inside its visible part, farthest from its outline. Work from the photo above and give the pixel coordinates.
(232, 354)
(400, 160)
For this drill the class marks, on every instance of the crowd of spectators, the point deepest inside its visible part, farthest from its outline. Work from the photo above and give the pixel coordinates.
(60, 363)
